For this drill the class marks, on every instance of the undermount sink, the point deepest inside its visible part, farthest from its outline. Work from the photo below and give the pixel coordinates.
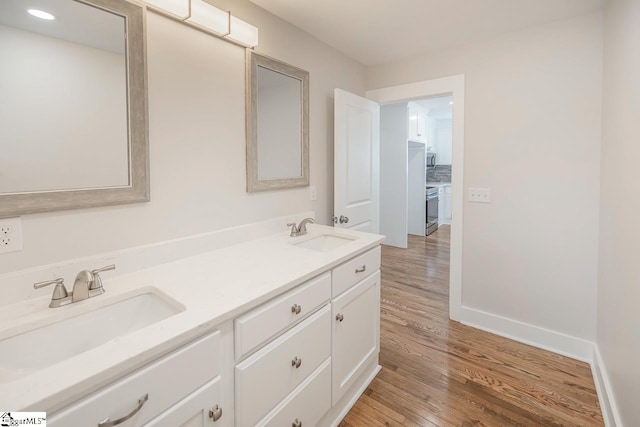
(324, 242)
(45, 346)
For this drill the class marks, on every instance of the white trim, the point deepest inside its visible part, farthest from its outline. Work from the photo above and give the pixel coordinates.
(607, 400)
(425, 89)
(536, 336)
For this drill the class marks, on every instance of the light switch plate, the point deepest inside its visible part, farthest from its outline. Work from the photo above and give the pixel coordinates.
(10, 235)
(480, 195)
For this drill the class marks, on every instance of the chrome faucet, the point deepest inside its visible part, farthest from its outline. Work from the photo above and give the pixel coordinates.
(88, 284)
(301, 229)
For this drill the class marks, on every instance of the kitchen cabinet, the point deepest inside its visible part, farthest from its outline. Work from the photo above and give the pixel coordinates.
(417, 123)
(446, 205)
(356, 315)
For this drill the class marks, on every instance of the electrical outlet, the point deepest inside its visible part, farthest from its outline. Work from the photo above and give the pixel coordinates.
(480, 195)
(313, 193)
(10, 235)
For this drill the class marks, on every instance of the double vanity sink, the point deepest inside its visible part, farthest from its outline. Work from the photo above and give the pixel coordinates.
(52, 357)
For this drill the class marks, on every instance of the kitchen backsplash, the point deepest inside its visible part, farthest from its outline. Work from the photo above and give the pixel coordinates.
(439, 173)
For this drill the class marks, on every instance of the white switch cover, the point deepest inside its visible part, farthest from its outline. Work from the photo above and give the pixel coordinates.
(480, 195)
(313, 193)
(10, 235)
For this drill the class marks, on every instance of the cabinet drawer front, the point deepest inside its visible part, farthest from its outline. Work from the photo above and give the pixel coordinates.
(356, 336)
(259, 325)
(351, 272)
(308, 403)
(265, 378)
(192, 411)
(166, 382)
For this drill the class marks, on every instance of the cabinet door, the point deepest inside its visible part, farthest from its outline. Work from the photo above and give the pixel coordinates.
(194, 410)
(356, 333)
(413, 125)
(421, 124)
(440, 205)
(447, 207)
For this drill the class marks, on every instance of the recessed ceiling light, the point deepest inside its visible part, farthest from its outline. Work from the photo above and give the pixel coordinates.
(450, 102)
(41, 14)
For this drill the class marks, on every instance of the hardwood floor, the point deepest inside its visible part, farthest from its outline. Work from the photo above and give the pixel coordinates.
(436, 372)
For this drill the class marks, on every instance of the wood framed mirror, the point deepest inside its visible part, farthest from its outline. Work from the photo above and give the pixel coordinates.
(73, 114)
(277, 120)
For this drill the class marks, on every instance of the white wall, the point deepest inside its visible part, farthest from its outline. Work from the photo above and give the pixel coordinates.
(63, 121)
(197, 144)
(393, 174)
(618, 332)
(532, 135)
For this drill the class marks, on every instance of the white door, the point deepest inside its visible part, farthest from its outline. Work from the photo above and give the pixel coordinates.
(356, 162)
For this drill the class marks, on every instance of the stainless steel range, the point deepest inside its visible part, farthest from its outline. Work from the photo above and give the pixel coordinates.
(432, 209)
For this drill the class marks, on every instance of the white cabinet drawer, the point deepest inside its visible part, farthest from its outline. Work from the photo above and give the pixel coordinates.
(269, 375)
(193, 411)
(351, 272)
(165, 381)
(307, 404)
(261, 324)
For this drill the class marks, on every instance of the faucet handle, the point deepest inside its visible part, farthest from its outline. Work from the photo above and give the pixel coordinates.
(96, 283)
(59, 292)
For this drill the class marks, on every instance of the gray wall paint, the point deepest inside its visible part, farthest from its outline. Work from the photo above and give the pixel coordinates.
(618, 334)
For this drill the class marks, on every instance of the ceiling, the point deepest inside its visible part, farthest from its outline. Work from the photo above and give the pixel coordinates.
(75, 22)
(379, 31)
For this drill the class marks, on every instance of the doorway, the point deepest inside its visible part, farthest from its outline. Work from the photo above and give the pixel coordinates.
(454, 87)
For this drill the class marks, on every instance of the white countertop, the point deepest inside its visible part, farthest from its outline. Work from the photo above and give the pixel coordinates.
(213, 287)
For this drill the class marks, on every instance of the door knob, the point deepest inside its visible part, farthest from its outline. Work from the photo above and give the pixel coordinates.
(215, 413)
(296, 362)
(343, 219)
(296, 423)
(334, 219)
(296, 309)
(339, 317)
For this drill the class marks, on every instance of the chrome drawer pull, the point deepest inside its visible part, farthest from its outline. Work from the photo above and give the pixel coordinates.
(361, 269)
(339, 317)
(296, 309)
(215, 413)
(296, 423)
(296, 362)
(141, 402)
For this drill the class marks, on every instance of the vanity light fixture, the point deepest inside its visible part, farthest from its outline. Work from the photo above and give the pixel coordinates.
(242, 33)
(41, 14)
(176, 9)
(208, 18)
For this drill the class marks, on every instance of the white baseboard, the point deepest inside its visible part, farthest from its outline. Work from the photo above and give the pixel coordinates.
(546, 339)
(556, 342)
(607, 400)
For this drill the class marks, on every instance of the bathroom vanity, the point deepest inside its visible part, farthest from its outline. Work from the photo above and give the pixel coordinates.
(277, 331)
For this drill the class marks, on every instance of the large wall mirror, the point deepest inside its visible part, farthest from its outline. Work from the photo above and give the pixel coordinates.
(73, 105)
(277, 124)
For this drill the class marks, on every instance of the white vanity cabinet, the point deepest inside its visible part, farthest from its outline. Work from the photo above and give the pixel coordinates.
(181, 385)
(306, 363)
(356, 333)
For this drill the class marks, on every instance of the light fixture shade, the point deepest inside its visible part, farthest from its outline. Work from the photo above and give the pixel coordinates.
(178, 9)
(243, 33)
(209, 18)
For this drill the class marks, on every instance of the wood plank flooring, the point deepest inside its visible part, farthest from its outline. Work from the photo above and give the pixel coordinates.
(436, 372)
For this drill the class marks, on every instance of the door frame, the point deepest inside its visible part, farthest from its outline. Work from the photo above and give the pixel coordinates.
(452, 85)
